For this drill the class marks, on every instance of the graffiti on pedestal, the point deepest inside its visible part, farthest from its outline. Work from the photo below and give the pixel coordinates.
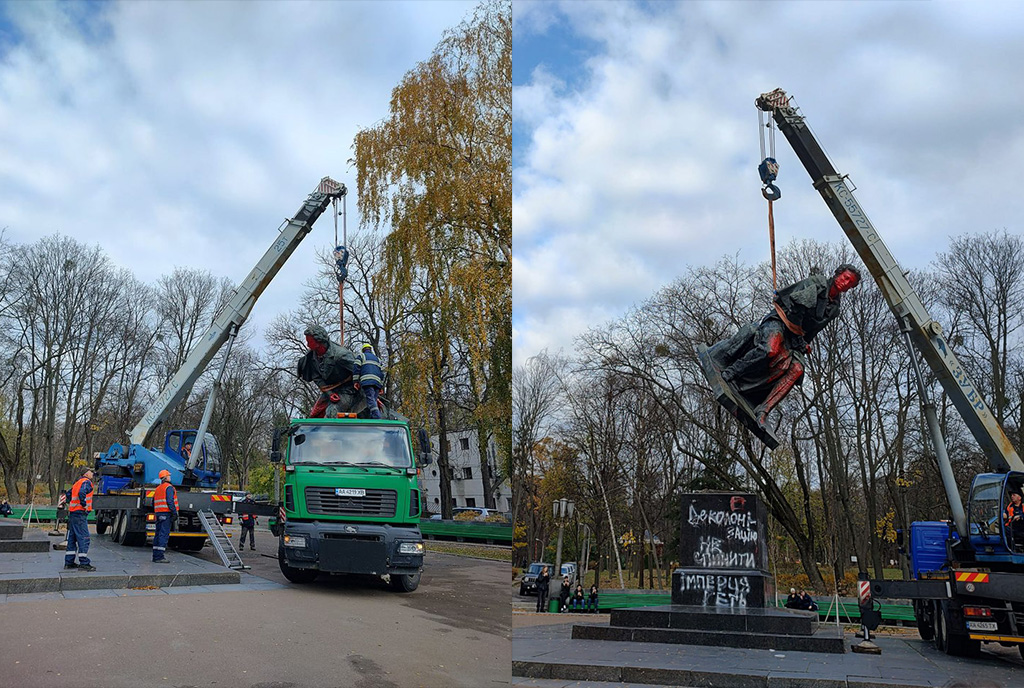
(715, 590)
(723, 531)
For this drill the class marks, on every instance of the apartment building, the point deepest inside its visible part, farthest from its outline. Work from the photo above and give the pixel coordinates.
(467, 485)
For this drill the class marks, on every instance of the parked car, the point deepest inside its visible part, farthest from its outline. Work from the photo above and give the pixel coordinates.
(569, 570)
(481, 513)
(528, 585)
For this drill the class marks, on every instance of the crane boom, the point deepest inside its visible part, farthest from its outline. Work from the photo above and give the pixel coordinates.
(903, 300)
(239, 306)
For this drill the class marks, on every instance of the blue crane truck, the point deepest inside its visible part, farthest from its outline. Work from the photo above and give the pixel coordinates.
(127, 473)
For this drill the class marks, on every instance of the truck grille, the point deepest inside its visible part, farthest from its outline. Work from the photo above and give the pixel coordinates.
(322, 500)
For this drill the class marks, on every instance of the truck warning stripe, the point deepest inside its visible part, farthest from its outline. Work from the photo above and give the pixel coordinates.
(965, 577)
(150, 493)
(220, 498)
(996, 638)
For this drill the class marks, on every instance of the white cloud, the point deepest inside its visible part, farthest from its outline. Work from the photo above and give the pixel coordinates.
(184, 133)
(648, 159)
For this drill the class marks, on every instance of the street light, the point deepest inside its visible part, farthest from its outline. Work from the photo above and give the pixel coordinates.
(563, 509)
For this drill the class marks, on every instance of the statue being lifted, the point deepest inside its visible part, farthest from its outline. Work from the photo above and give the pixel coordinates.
(329, 366)
(754, 370)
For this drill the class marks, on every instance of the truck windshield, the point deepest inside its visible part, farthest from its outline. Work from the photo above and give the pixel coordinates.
(985, 505)
(212, 453)
(335, 445)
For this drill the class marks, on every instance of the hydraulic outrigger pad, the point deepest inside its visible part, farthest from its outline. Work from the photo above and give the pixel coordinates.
(732, 402)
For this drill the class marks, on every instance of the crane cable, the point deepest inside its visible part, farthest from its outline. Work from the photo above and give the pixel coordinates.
(341, 255)
(769, 170)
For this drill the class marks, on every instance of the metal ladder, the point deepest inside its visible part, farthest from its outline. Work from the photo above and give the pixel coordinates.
(221, 542)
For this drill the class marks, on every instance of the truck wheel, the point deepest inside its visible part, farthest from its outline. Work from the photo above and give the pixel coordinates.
(963, 646)
(101, 527)
(134, 539)
(924, 621)
(405, 582)
(117, 534)
(939, 626)
(300, 576)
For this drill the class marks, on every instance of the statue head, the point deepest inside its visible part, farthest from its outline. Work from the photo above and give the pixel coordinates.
(317, 339)
(845, 278)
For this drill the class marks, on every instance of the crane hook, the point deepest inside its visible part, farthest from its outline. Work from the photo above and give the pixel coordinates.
(771, 192)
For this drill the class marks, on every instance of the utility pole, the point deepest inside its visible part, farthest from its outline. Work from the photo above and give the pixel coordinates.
(563, 508)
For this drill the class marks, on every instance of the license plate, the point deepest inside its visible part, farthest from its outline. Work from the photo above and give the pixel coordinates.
(982, 625)
(349, 492)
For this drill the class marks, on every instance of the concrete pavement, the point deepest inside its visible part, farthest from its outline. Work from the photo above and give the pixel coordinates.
(546, 652)
(338, 631)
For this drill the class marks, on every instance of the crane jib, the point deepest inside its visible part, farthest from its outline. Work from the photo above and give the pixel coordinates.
(239, 306)
(901, 297)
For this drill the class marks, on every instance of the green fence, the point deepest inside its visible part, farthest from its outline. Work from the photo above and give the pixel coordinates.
(41, 513)
(467, 531)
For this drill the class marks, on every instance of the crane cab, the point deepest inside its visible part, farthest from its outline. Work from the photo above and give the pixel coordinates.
(177, 441)
(992, 540)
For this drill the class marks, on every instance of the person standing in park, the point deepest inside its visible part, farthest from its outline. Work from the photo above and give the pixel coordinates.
(248, 525)
(80, 504)
(543, 582)
(165, 504)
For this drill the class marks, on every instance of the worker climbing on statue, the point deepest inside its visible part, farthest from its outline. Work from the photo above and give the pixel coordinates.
(765, 359)
(369, 379)
(329, 366)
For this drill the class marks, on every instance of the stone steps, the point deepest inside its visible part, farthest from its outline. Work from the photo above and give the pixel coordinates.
(35, 542)
(740, 627)
(826, 640)
(11, 530)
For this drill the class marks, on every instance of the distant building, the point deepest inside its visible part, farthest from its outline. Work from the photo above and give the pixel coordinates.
(467, 485)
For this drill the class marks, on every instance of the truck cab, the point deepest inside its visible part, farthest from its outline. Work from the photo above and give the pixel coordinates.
(992, 540)
(351, 502)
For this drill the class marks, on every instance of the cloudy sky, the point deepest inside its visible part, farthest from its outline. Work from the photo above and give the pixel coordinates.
(175, 134)
(636, 138)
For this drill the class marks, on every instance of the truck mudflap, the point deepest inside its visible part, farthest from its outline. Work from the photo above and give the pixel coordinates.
(360, 548)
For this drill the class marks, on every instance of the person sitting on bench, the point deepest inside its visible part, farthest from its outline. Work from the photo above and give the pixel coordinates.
(592, 599)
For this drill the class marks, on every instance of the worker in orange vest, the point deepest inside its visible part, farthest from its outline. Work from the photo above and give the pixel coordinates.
(165, 504)
(79, 506)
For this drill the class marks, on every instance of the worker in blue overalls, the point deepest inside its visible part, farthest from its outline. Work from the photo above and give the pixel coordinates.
(165, 504)
(79, 506)
(369, 377)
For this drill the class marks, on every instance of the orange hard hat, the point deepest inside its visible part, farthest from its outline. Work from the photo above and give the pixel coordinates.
(164, 474)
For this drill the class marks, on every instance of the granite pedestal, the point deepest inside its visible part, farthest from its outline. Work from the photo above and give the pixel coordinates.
(769, 628)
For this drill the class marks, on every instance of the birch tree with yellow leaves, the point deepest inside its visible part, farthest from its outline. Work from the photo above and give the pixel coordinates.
(437, 171)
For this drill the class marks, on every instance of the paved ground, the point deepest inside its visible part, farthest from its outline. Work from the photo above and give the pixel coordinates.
(116, 568)
(539, 640)
(453, 631)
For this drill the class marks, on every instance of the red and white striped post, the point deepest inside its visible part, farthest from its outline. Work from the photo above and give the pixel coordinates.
(864, 593)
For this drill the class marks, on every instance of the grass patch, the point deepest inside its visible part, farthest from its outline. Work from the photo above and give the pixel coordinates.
(468, 549)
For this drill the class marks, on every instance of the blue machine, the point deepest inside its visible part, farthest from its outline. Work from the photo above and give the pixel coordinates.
(142, 466)
(928, 546)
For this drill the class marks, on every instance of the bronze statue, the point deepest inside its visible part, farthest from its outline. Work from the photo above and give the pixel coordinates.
(764, 360)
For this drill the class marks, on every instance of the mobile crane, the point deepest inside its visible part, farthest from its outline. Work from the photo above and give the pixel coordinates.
(123, 503)
(968, 574)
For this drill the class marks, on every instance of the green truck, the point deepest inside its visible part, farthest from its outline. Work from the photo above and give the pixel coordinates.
(351, 502)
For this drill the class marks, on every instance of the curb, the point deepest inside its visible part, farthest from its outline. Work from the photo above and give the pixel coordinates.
(687, 677)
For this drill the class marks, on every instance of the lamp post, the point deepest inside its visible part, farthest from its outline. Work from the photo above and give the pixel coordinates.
(563, 509)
